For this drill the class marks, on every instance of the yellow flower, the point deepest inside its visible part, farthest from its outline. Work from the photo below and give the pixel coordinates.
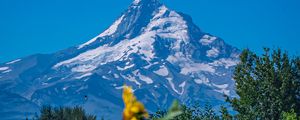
(134, 110)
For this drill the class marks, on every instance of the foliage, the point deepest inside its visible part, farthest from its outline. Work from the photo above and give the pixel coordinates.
(64, 113)
(158, 115)
(290, 115)
(189, 113)
(267, 85)
(225, 114)
(174, 111)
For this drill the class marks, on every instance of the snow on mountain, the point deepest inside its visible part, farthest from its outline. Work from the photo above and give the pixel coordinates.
(14, 61)
(163, 71)
(214, 52)
(112, 29)
(135, 2)
(3, 68)
(207, 39)
(161, 53)
(89, 60)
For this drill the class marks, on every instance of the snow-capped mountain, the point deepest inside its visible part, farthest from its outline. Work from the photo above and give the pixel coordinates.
(161, 53)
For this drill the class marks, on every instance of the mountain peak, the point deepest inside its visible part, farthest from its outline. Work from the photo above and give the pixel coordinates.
(138, 2)
(146, 3)
(130, 23)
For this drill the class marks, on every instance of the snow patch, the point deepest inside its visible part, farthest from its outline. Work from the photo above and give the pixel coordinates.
(162, 10)
(224, 86)
(187, 65)
(65, 88)
(223, 91)
(227, 62)
(44, 84)
(116, 76)
(170, 80)
(196, 67)
(163, 71)
(145, 79)
(104, 77)
(207, 39)
(4, 68)
(135, 2)
(135, 72)
(214, 52)
(84, 75)
(126, 67)
(202, 80)
(182, 85)
(119, 88)
(83, 68)
(14, 61)
(153, 95)
(131, 79)
(7, 71)
(148, 66)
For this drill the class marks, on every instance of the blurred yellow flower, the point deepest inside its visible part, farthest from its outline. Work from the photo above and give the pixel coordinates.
(134, 110)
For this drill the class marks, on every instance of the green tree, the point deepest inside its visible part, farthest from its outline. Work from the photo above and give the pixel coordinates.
(290, 115)
(174, 111)
(46, 113)
(158, 114)
(64, 113)
(187, 113)
(209, 113)
(225, 114)
(267, 85)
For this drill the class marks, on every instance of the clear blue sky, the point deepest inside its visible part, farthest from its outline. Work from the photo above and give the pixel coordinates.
(45, 26)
